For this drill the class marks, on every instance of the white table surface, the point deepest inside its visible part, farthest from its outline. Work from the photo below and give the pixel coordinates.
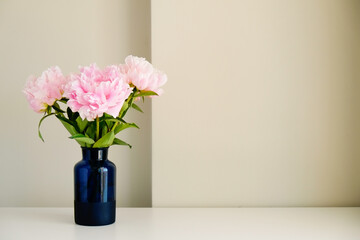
(186, 223)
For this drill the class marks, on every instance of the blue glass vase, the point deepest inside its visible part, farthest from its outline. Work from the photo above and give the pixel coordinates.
(95, 188)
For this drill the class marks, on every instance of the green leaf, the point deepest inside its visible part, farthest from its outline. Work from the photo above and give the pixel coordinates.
(77, 136)
(42, 119)
(124, 108)
(75, 116)
(123, 126)
(64, 100)
(69, 113)
(71, 129)
(146, 93)
(117, 129)
(91, 129)
(136, 107)
(82, 138)
(104, 130)
(48, 110)
(119, 120)
(72, 123)
(87, 145)
(72, 115)
(105, 118)
(110, 122)
(121, 142)
(105, 141)
(81, 123)
(127, 103)
(57, 108)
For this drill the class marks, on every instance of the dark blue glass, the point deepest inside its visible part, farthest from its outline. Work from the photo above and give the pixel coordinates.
(95, 188)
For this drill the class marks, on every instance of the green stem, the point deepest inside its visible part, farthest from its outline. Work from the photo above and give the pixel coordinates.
(97, 128)
(114, 126)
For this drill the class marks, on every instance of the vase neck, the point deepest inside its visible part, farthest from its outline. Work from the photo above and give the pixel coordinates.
(94, 154)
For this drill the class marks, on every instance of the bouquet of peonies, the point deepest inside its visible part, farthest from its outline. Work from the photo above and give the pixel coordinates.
(95, 100)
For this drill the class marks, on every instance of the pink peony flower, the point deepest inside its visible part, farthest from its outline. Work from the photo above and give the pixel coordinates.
(140, 73)
(94, 92)
(43, 91)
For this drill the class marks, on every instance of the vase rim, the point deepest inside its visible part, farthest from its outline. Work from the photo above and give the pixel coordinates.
(103, 148)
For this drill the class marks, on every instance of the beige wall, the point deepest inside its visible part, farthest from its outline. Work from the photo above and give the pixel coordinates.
(38, 34)
(260, 107)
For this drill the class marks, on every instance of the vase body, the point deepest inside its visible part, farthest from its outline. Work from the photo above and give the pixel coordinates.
(95, 188)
